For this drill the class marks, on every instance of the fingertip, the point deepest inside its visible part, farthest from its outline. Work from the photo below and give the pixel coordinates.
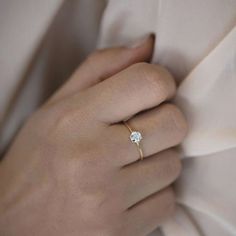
(145, 40)
(143, 48)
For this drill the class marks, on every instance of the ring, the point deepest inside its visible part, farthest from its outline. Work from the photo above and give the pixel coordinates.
(135, 137)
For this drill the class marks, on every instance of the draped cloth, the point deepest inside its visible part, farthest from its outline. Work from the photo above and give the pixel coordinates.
(195, 40)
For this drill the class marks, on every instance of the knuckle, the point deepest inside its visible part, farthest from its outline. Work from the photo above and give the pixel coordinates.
(141, 66)
(156, 83)
(56, 117)
(64, 120)
(159, 80)
(93, 203)
(177, 122)
(145, 70)
(168, 79)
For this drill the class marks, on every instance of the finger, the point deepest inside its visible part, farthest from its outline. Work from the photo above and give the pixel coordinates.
(139, 87)
(150, 213)
(162, 127)
(144, 178)
(104, 63)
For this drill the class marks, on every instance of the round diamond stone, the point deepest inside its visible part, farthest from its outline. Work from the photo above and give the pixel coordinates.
(135, 137)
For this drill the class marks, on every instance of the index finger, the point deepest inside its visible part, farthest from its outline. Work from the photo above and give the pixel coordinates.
(98, 66)
(137, 88)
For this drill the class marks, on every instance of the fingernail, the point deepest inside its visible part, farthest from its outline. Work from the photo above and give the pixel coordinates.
(138, 43)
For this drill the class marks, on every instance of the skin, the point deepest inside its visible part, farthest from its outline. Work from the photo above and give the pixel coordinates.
(72, 169)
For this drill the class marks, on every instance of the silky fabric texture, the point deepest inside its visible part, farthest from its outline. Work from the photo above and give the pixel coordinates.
(195, 40)
(41, 44)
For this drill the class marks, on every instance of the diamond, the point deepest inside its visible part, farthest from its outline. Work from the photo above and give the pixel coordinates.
(135, 137)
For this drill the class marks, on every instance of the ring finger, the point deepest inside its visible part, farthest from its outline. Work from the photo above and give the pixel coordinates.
(161, 128)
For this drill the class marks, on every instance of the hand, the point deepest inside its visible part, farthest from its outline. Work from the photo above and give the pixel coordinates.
(72, 169)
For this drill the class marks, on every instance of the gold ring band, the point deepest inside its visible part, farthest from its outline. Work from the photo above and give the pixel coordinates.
(135, 137)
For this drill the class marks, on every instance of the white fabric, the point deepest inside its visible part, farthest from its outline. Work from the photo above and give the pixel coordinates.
(41, 42)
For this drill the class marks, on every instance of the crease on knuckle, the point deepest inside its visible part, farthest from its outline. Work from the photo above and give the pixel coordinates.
(64, 120)
(156, 84)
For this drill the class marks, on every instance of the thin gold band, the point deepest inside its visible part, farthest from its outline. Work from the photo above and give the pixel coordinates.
(137, 144)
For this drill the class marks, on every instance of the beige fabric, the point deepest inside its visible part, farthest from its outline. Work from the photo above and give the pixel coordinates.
(40, 46)
(196, 40)
(41, 43)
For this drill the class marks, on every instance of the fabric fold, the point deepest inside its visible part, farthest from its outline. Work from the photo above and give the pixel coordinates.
(200, 50)
(207, 97)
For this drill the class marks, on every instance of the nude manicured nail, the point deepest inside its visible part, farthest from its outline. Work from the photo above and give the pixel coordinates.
(140, 42)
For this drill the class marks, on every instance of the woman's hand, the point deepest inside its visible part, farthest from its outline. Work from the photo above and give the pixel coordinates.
(72, 169)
